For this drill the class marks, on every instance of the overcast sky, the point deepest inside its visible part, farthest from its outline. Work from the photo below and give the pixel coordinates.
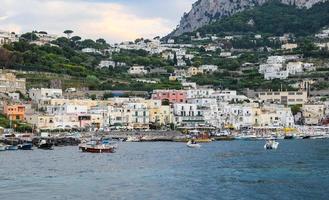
(114, 20)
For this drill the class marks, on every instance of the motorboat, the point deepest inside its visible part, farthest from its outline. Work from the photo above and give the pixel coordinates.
(45, 145)
(25, 146)
(193, 144)
(271, 144)
(104, 146)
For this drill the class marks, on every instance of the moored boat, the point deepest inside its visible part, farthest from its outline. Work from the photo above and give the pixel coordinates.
(289, 137)
(223, 138)
(11, 148)
(104, 146)
(193, 144)
(271, 144)
(133, 139)
(99, 149)
(45, 145)
(25, 146)
(2, 147)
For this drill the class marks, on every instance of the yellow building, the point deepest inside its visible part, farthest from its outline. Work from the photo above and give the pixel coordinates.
(193, 71)
(161, 115)
(284, 97)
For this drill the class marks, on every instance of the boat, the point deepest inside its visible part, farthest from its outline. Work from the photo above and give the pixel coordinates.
(289, 137)
(133, 139)
(2, 147)
(223, 138)
(25, 146)
(271, 144)
(246, 137)
(97, 147)
(11, 148)
(45, 145)
(192, 144)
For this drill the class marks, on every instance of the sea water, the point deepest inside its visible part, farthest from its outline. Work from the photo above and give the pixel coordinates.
(298, 169)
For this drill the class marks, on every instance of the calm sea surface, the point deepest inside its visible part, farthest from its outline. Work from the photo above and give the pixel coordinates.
(299, 169)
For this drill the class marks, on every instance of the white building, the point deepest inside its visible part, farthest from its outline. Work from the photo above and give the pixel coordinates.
(137, 115)
(187, 115)
(228, 96)
(91, 50)
(199, 93)
(208, 68)
(137, 70)
(67, 109)
(106, 64)
(44, 93)
(7, 37)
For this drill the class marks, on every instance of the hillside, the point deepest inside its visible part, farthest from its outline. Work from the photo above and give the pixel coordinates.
(64, 60)
(272, 18)
(205, 12)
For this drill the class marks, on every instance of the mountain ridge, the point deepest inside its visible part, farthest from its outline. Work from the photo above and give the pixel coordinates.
(204, 12)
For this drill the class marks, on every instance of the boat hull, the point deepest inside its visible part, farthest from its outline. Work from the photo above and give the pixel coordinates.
(25, 147)
(97, 150)
(46, 146)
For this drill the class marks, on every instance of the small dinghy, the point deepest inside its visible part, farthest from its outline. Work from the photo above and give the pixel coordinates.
(192, 144)
(271, 144)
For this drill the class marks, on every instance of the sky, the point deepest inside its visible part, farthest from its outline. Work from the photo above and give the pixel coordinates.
(113, 20)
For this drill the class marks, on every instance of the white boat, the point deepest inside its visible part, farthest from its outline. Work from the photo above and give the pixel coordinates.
(271, 144)
(192, 145)
(133, 139)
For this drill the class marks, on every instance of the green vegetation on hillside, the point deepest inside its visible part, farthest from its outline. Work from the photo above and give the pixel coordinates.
(272, 18)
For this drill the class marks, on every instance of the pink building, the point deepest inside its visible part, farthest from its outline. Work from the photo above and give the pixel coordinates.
(173, 96)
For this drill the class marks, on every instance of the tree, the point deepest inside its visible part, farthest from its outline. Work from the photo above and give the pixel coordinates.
(107, 95)
(101, 41)
(165, 102)
(29, 36)
(68, 33)
(175, 59)
(76, 38)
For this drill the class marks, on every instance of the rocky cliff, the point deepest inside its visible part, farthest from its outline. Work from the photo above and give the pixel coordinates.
(205, 11)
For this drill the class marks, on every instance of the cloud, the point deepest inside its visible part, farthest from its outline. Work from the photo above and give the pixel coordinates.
(3, 18)
(113, 20)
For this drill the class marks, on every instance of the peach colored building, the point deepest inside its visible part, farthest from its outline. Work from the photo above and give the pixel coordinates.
(173, 96)
(14, 112)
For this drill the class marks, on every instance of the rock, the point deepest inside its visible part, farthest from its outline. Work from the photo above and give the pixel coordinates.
(205, 11)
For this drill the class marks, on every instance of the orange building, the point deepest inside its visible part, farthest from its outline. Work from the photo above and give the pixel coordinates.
(14, 112)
